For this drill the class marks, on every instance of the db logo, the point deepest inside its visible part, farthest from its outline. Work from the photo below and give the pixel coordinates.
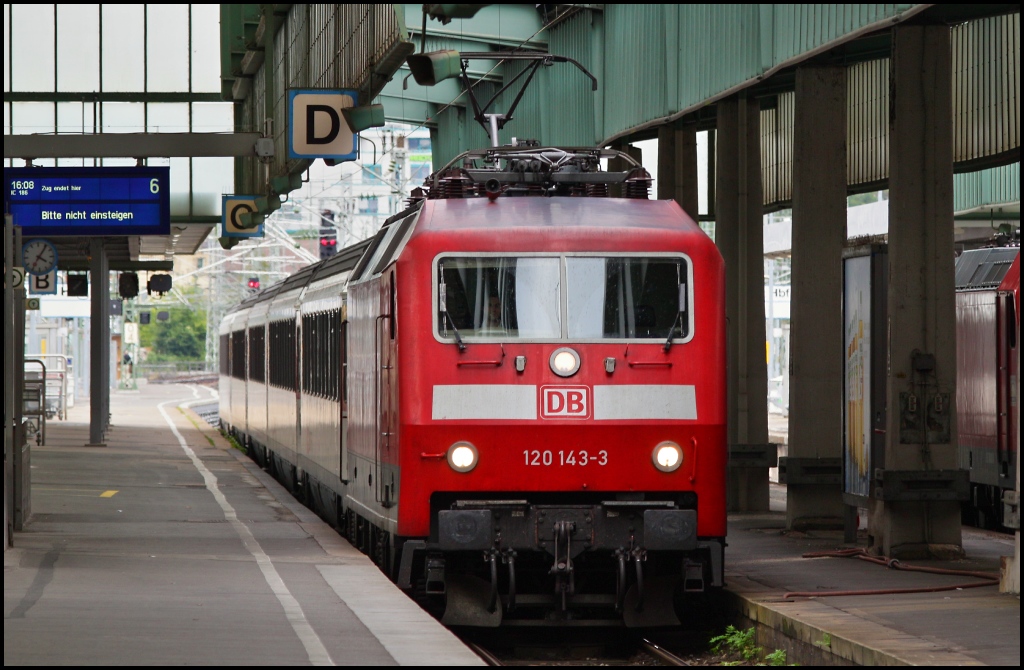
(565, 402)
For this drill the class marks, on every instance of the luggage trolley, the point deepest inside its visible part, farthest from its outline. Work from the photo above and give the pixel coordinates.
(34, 400)
(59, 388)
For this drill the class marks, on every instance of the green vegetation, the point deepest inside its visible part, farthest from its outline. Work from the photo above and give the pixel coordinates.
(234, 443)
(825, 642)
(736, 642)
(182, 337)
(866, 198)
(198, 427)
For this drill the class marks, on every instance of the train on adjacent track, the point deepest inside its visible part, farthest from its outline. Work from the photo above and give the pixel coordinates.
(512, 397)
(988, 390)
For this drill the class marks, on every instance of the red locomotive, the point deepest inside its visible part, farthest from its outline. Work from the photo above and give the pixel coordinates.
(513, 397)
(988, 330)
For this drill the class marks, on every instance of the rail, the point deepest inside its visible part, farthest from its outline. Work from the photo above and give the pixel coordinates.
(488, 657)
(661, 654)
(158, 371)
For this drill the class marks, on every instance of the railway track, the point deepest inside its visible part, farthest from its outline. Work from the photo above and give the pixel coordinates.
(210, 413)
(662, 654)
(623, 649)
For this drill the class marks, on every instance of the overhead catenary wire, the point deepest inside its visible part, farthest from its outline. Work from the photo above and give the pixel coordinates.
(403, 183)
(388, 152)
(443, 108)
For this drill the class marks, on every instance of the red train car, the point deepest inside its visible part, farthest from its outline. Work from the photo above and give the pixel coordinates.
(533, 419)
(988, 330)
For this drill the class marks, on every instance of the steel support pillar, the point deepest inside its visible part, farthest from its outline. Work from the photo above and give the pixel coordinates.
(9, 380)
(99, 345)
(21, 472)
(816, 350)
(22, 448)
(677, 165)
(915, 512)
(739, 235)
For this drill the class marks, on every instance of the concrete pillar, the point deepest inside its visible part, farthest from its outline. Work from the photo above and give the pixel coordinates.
(813, 468)
(99, 349)
(739, 235)
(915, 512)
(677, 165)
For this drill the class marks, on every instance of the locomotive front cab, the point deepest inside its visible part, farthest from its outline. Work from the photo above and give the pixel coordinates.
(575, 428)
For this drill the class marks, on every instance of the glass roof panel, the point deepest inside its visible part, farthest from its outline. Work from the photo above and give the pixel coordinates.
(78, 53)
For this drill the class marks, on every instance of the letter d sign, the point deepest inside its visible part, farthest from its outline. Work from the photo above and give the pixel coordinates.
(316, 128)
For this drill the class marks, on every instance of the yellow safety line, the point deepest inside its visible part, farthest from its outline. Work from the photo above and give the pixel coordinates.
(108, 494)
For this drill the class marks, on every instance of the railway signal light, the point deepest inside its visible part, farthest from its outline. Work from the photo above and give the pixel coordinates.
(159, 284)
(254, 283)
(128, 285)
(328, 247)
(78, 285)
(328, 235)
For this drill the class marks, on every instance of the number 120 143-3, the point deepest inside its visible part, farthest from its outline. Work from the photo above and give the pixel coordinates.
(562, 457)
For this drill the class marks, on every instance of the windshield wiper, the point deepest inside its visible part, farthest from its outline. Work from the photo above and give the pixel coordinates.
(442, 304)
(455, 331)
(679, 313)
(672, 329)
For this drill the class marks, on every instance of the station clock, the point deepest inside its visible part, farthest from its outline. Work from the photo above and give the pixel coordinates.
(39, 256)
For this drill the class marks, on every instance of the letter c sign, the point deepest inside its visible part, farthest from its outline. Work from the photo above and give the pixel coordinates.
(232, 208)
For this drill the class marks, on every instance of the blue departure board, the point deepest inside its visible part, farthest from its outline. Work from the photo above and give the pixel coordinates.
(51, 202)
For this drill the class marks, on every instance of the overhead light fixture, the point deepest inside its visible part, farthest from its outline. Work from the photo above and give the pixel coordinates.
(361, 118)
(430, 68)
(445, 13)
(250, 220)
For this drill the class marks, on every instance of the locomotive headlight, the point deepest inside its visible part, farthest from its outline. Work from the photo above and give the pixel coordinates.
(462, 456)
(667, 456)
(564, 362)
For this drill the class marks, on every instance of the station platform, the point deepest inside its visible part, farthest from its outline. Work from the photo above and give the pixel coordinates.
(168, 547)
(766, 564)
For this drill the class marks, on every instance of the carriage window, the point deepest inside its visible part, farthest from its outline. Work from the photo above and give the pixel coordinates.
(499, 297)
(626, 298)
(257, 353)
(238, 354)
(282, 354)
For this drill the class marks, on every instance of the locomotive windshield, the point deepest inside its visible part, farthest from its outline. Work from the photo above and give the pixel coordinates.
(499, 297)
(603, 297)
(625, 298)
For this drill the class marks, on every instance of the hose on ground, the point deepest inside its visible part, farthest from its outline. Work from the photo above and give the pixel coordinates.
(990, 579)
